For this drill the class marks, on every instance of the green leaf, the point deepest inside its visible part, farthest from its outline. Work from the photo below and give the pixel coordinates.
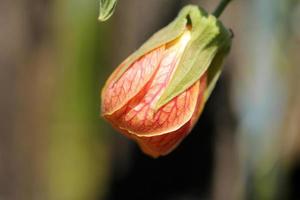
(107, 8)
(208, 41)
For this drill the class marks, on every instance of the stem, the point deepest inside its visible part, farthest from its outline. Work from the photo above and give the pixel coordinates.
(222, 5)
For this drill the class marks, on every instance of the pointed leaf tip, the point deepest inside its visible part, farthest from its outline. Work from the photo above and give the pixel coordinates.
(107, 8)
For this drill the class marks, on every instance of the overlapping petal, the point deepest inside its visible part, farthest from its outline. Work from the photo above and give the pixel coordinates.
(163, 144)
(129, 102)
(118, 92)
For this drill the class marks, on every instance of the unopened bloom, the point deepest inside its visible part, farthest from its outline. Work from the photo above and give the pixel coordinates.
(156, 95)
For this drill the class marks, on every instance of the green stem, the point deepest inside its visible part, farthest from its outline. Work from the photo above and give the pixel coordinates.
(222, 5)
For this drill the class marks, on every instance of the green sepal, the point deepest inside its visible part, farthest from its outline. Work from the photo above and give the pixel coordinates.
(107, 8)
(210, 42)
(164, 36)
(215, 68)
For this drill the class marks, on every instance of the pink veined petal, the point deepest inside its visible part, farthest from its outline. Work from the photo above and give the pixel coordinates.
(129, 101)
(139, 117)
(200, 101)
(118, 92)
(164, 144)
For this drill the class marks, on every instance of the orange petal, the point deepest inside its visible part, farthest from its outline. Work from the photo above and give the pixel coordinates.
(118, 92)
(160, 145)
(163, 144)
(200, 101)
(129, 101)
(139, 116)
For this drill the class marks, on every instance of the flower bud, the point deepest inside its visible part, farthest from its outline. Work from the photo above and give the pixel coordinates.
(157, 94)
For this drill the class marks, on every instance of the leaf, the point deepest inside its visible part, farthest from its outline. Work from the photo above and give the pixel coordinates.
(107, 8)
(208, 39)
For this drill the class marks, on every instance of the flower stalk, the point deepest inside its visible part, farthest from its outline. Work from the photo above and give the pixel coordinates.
(221, 7)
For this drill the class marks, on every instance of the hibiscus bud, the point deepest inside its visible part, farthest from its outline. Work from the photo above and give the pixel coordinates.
(157, 94)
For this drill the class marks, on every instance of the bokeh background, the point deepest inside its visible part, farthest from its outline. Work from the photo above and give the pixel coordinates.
(54, 58)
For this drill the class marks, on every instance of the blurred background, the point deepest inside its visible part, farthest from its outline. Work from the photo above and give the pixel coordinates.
(54, 58)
